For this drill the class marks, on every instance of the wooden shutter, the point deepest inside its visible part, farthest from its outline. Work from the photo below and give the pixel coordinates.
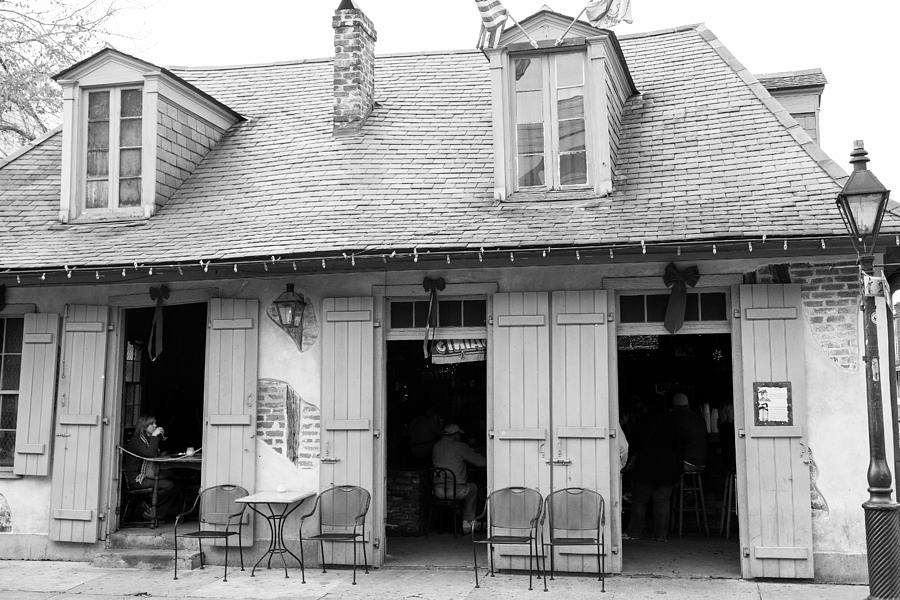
(75, 484)
(778, 513)
(580, 386)
(348, 405)
(229, 434)
(34, 424)
(520, 377)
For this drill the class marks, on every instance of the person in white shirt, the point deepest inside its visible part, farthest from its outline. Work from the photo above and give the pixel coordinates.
(450, 452)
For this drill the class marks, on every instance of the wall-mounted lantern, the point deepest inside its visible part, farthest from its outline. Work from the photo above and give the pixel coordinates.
(290, 306)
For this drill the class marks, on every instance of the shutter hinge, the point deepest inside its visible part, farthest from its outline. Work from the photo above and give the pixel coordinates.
(101, 516)
(376, 433)
(105, 420)
(491, 434)
(741, 433)
(611, 317)
(615, 550)
(110, 326)
(376, 323)
(737, 314)
(612, 432)
(746, 552)
(490, 319)
(376, 543)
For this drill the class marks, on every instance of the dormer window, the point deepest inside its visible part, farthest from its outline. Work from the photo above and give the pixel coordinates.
(112, 176)
(551, 151)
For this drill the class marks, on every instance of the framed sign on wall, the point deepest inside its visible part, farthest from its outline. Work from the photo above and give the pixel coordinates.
(772, 404)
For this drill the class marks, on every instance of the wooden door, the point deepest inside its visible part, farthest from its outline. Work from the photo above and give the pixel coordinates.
(778, 521)
(520, 411)
(348, 407)
(75, 483)
(229, 433)
(580, 406)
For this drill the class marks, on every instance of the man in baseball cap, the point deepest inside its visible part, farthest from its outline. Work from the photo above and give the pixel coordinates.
(451, 453)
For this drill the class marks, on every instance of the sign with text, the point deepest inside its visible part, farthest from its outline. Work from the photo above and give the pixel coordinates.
(772, 403)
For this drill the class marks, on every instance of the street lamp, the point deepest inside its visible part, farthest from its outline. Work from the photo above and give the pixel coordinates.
(862, 202)
(290, 306)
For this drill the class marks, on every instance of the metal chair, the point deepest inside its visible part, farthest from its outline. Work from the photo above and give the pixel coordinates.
(443, 496)
(577, 517)
(133, 493)
(516, 511)
(342, 518)
(215, 506)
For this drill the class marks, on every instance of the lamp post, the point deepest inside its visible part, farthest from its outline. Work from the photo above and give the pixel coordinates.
(862, 202)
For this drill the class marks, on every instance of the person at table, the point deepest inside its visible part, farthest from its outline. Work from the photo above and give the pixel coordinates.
(140, 474)
(450, 452)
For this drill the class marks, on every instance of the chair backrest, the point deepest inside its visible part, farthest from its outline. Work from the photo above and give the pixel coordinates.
(218, 506)
(575, 509)
(514, 508)
(443, 480)
(343, 506)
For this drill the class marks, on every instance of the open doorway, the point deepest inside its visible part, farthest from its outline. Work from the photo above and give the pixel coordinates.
(423, 397)
(657, 375)
(164, 380)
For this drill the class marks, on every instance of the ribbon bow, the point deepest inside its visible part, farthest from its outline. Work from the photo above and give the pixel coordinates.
(679, 282)
(432, 286)
(155, 343)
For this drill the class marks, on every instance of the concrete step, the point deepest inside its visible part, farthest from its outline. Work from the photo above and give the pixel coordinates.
(146, 558)
(149, 539)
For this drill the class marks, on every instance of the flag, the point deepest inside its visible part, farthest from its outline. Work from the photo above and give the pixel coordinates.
(493, 14)
(608, 13)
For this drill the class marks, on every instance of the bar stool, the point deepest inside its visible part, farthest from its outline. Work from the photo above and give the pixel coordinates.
(729, 505)
(691, 488)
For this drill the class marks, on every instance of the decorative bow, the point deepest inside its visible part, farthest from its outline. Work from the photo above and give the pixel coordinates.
(679, 282)
(432, 286)
(2, 297)
(155, 343)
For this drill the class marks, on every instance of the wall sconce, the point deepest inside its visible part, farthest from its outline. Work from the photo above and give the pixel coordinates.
(290, 306)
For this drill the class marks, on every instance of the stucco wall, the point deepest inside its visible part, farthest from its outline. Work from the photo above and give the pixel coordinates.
(836, 392)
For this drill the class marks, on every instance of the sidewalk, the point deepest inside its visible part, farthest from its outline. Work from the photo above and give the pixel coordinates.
(27, 580)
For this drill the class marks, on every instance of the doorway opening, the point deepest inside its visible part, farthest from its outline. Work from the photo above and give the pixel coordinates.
(423, 397)
(656, 373)
(166, 381)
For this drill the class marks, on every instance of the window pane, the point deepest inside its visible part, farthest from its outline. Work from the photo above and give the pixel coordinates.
(656, 307)
(130, 162)
(712, 307)
(531, 170)
(7, 448)
(401, 314)
(8, 410)
(131, 103)
(98, 106)
(421, 314)
(13, 335)
(130, 134)
(571, 135)
(569, 70)
(9, 377)
(450, 313)
(528, 74)
(97, 194)
(691, 310)
(632, 309)
(474, 313)
(97, 163)
(573, 168)
(531, 138)
(130, 192)
(529, 107)
(570, 104)
(98, 135)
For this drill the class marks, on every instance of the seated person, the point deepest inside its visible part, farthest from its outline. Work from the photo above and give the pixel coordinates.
(690, 430)
(140, 474)
(451, 453)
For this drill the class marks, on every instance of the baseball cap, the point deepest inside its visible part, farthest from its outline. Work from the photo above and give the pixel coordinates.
(452, 428)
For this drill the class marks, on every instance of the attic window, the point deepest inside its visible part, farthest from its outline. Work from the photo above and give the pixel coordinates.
(550, 133)
(112, 175)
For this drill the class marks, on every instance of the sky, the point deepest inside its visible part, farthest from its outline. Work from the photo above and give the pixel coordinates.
(852, 42)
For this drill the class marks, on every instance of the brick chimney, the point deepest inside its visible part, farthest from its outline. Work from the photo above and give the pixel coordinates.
(354, 67)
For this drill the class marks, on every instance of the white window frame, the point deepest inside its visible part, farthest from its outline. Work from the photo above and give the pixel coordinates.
(115, 118)
(17, 392)
(552, 175)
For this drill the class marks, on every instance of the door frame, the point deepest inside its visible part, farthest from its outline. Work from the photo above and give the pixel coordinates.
(384, 295)
(112, 405)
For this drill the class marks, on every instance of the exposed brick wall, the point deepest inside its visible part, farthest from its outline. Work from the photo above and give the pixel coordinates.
(287, 422)
(830, 302)
(182, 140)
(354, 68)
(406, 497)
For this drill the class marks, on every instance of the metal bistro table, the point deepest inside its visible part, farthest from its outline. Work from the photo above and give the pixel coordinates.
(288, 501)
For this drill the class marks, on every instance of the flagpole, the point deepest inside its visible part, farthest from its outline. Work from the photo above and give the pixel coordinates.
(534, 44)
(569, 28)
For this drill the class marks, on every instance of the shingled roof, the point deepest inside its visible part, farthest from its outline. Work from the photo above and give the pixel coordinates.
(792, 79)
(705, 154)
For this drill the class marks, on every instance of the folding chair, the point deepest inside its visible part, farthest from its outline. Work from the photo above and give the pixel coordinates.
(577, 517)
(513, 510)
(217, 507)
(342, 518)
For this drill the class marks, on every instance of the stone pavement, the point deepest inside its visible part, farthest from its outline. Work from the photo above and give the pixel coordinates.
(32, 580)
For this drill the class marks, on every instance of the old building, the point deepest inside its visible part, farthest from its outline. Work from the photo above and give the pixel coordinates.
(549, 188)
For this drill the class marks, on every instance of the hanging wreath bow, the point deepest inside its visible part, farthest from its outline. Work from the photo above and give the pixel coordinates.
(678, 280)
(155, 343)
(432, 286)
